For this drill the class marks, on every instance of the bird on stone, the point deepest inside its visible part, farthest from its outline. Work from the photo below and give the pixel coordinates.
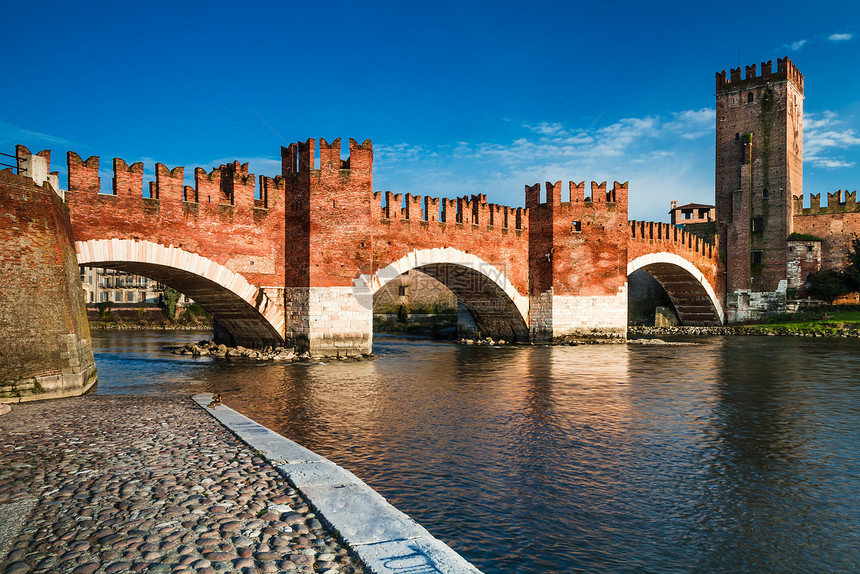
(216, 400)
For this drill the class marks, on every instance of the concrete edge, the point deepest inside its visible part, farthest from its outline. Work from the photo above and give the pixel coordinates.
(385, 539)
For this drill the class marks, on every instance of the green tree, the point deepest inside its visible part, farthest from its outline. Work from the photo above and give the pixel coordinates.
(852, 271)
(828, 284)
(169, 299)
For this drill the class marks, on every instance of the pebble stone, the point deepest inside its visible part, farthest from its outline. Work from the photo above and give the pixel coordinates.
(150, 484)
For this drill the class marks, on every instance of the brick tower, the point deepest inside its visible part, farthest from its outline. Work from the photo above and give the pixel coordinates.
(759, 169)
(577, 261)
(328, 237)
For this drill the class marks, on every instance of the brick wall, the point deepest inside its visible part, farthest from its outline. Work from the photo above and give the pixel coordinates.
(46, 350)
(836, 224)
(218, 218)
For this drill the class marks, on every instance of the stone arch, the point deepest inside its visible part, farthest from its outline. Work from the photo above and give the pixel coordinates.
(245, 311)
(499, 310)
(693, 296)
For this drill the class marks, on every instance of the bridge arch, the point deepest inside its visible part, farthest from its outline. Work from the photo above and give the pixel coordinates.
(245, 311)
(693, 296)
(499, 310)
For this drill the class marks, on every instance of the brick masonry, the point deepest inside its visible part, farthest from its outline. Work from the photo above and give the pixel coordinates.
(47, 351)
(300, 263)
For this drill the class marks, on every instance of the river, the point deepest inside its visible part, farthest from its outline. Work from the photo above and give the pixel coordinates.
(732, 455)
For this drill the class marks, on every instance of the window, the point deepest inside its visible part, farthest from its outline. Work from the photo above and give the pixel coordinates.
(750, 98)
(757, 224)
(402, 291)
(91, 296)
(737, 136)
(755, 258)
(765, 193)
(129, 296)
(575, 226)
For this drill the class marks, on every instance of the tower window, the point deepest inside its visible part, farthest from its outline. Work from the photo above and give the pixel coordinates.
(750, 98)
(401, 291)
(764, 193)
(575, 226)
(757, 224)
(755, 257)
(737, 136)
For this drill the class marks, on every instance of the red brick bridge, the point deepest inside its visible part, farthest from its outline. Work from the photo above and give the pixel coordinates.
(299, 259)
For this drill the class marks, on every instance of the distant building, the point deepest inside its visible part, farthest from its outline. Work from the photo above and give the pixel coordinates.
(696, 218)
(692, 213)
(109, 285)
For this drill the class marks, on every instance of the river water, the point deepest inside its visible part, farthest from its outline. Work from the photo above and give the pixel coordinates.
(732, 455)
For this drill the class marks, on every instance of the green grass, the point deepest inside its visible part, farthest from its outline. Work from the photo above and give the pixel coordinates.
(823, 321)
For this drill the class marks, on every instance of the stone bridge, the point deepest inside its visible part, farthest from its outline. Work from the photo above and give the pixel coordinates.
(298, 259)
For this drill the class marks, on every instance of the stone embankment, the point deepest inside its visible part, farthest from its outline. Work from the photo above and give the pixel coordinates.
(748, 330)
(282, 354)
(98, 325)
(148, 484)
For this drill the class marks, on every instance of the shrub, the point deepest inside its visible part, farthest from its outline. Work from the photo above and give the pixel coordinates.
(828, 284)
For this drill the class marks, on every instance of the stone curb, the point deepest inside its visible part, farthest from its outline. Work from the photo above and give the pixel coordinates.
(385, 539)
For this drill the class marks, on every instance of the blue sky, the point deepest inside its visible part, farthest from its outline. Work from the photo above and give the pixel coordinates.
(458, 97)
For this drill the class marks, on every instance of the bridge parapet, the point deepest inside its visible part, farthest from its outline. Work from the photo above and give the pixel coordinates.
(465, 210)
(227, 185)
(666, 233)
(218, 218)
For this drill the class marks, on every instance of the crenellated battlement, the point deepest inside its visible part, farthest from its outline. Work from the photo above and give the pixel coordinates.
(785, 71)
(229, 184)
(464, 210)
(659, 232)
(300, 157)
(837, 202)
(617, 196)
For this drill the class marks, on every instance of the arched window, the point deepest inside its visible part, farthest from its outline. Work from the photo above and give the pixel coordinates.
(737, 136)
(749, 98)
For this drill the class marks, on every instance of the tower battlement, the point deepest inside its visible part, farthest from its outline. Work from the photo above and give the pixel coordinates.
(616, 196)
(300, 157)
(785, 70)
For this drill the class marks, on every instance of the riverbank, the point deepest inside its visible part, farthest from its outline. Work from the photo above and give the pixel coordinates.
(147, 326)
(112, 484)
(747, 330)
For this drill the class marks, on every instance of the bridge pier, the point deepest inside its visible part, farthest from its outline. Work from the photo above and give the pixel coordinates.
(577, 262)
(330, 321)
(579, 317)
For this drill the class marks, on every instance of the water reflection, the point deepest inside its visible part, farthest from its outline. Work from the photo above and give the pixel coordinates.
(733, 455)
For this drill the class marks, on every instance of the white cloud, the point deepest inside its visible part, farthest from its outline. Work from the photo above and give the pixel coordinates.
(15, 135)
(840, 37)
(795, 46)
(824, 136)
(660, 156)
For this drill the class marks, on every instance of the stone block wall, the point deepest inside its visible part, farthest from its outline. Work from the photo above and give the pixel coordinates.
(47, 351)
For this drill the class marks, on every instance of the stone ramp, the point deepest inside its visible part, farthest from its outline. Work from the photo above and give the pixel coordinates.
(385, 539)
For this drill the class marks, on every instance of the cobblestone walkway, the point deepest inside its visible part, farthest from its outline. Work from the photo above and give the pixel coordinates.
(149, 484)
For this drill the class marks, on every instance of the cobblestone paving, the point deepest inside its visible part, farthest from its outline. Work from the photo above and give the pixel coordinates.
(150, 484)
